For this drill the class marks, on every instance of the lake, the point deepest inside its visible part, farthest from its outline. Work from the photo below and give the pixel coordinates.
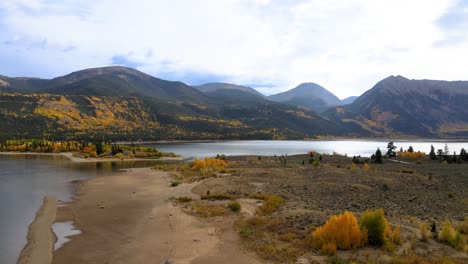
(265, 147)
(26, 179)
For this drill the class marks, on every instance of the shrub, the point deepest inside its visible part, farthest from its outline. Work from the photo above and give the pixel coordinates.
(253, 227)
(448, 234)
(271, 202)
(175, 183)
(424, 231)
(412, 155)
(342, 230)
(234, 206)
(93, 154)
(217, 196)
(328, 248)
(316, 163)
(184, 199)
(353, 166)
(463, 226)
(209, 164)
(376, 225)
(396, 236)
(365, 166)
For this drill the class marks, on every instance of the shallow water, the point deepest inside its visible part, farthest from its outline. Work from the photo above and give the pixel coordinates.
(26, 179)
(265, 147)
(64, 231)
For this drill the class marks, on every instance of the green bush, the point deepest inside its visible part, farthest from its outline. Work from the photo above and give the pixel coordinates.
(234, 206)
(376, 225)
(175, 183)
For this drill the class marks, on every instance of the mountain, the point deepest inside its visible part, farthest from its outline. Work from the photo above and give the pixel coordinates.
(21, 84)
(105, 81)
(309, 95)
(121, 103)
(348, 100)
(400, 106)
(213, 87)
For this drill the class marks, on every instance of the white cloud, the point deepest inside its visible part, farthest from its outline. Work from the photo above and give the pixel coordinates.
(346, 46)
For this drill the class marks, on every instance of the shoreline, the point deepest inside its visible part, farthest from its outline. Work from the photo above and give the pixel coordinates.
(40, 239)
(69, 156)
(383, 139)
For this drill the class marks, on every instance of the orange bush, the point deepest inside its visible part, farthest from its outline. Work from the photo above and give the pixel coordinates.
(342, 231)
(365, 166)
(328, 248)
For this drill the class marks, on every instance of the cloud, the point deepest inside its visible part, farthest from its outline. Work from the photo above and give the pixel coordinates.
(345, 46)
(125, 61)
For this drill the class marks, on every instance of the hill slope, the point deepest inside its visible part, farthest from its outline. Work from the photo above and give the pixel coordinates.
(213, 87)
(309, 95)
(399, 106)
(119, 102)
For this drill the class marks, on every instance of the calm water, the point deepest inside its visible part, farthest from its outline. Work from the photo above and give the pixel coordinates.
(264, 147)
(26, 179)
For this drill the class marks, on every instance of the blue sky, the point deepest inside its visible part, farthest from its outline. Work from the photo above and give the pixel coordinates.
(345, 46)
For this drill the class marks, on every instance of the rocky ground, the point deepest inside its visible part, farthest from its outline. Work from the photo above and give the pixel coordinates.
(410, 192)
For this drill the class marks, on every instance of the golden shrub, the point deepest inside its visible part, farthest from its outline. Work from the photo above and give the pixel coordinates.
(209, 164)
(365, 166)
(448, 234)
(412, 155)
(342, 230)
(424, 231)
(396, 236)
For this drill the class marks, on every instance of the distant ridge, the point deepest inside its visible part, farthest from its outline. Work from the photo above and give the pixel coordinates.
(400, 106)
(309, 95)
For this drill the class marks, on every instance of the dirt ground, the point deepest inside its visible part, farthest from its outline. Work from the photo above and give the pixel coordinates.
(410, 192)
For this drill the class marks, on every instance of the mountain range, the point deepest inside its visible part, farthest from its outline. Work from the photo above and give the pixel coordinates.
(119, 103)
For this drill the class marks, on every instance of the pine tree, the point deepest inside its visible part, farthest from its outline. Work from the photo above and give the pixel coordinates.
(432, 154)
(378, 156)
(410, 149)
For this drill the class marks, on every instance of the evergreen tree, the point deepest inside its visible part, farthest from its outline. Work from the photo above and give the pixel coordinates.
(432, 154)
(378, 156)
(410, 149)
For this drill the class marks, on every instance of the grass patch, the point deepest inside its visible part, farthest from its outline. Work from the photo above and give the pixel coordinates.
(217, 196)
(184, 199)
(209, 210)
(271, 202)
(264, 236)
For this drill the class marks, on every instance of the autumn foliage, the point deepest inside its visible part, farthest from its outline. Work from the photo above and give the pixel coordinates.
(412, 155)
(339, 232)
(209, 164)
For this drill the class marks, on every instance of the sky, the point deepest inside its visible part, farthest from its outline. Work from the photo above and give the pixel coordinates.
(272, 46)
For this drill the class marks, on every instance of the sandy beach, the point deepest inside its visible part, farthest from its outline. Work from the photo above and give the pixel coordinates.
(129, 218)
(41, 239)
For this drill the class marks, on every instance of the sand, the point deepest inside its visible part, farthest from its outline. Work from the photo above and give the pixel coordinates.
(41, 239)
(128, 218)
